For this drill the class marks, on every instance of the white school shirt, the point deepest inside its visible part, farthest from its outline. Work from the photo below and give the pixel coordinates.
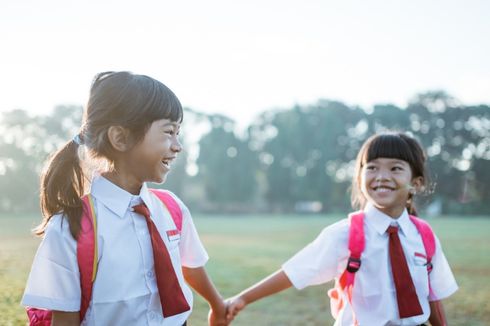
(125, 290)
(374, 297)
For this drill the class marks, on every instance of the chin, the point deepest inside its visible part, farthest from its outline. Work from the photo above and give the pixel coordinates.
(160, 179)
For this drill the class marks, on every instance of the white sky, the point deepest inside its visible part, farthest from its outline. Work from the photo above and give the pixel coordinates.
(240, 58)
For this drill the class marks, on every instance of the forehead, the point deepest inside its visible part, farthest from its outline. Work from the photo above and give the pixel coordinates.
(387, 161)
(166, 123)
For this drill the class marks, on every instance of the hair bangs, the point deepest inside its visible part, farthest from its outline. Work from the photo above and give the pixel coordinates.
(388, 146)
(162, 103)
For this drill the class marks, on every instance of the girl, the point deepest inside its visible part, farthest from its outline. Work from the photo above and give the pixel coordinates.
(389, 171)
(131, 127)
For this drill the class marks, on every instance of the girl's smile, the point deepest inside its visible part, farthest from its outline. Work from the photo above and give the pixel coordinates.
(167, 161)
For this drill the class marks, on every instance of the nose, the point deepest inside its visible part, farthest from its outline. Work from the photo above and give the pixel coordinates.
(176, 145)
(382, 175)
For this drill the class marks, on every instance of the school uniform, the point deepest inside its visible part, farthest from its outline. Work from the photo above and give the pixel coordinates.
(125, 290)
(374, 298)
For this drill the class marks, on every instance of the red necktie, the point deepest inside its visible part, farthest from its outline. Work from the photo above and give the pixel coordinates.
(171, 296)
(406, 296)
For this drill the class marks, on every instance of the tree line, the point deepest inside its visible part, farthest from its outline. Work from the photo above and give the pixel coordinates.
(288, 160)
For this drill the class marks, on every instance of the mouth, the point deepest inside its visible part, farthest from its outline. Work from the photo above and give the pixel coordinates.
(167, 162)
(383, 189)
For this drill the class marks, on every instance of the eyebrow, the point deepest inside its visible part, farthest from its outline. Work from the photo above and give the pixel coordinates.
(171, 123)
(396, 160)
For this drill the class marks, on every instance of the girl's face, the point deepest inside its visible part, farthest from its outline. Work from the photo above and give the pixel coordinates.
(387, 183)
(150, 160)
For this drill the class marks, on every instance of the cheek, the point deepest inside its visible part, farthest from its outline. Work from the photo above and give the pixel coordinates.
(365, 178)
(364, 183)
(404, 178)
(166, 142)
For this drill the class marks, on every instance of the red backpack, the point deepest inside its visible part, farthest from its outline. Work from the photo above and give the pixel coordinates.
(87, 252)
(344, 285)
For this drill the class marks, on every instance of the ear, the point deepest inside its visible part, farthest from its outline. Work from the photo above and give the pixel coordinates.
(418, 185)
(119, 138)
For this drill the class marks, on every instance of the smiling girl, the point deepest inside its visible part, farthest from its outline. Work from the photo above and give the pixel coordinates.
(131, 125)
(394, 285)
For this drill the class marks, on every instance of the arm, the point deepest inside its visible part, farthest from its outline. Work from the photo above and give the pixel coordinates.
(270, 285)
(198, 279)
(63, 318)
(437, 315)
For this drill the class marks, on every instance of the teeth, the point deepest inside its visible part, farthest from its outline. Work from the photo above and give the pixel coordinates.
(382, 189)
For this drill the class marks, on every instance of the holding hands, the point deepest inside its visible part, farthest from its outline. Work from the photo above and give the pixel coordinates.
(224, 314)
(270, 285)
(233, 306)
(217, 315)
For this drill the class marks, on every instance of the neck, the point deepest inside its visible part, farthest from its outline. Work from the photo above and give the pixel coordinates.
(393, 212)
(127, 183)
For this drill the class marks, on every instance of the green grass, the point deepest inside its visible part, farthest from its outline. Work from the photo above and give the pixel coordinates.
(244, 249)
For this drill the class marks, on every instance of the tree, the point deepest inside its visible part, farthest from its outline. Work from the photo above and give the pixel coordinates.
(227, 166)
(24, 145)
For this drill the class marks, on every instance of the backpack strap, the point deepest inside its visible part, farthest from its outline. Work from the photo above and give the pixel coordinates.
(172, 206)
(356, 247)
(87, 252)
(356, 241)
(428, 239)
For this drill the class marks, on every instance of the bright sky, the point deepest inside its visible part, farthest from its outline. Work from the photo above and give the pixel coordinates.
(240, 58)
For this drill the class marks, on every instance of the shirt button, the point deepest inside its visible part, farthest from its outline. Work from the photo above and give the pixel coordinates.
(152, 315)
(149, 274)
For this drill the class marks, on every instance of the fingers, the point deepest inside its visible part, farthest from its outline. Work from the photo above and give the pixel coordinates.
(233, 307)
(217, 318)
(223, 317)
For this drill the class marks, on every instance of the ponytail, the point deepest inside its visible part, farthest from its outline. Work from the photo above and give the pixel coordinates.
(62, 185)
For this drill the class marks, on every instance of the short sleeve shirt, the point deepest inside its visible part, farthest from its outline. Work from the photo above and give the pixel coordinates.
(374, 297)
(125, 290)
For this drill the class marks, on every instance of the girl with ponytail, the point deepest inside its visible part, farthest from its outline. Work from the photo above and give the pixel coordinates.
(129, 136)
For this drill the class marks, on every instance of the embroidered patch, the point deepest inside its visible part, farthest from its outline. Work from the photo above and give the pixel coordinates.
(173, 235)
(420, 259)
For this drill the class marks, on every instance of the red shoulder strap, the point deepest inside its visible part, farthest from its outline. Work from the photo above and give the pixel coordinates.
(172, 206)
(427, 235)
(357, 242)
(356, 234)
(356, 247)
(87, 252)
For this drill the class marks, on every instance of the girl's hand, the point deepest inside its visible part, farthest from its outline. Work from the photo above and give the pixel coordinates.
(234, 306)
(217, 315)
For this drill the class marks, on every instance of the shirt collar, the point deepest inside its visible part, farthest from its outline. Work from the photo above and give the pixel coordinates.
(116, 199)
(380, 221)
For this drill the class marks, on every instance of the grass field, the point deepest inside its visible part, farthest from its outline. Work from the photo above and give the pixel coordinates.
(246, 248)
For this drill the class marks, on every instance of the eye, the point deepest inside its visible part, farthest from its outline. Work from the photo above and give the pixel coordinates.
(370, 167)
(397, 168)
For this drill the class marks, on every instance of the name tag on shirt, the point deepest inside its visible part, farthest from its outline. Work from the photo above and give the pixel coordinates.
(420, 259)
(173, 235)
